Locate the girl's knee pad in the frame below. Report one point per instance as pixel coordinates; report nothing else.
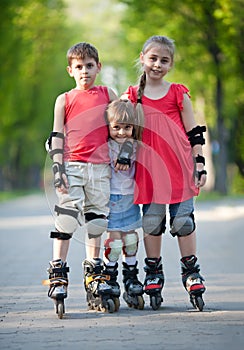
(154, 225)
(130, 243)
(112, 249)
(182, 225)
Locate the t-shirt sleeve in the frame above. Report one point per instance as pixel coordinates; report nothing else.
(131, 93)
(180, 91)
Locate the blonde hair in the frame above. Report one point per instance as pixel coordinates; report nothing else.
(152, 41)
(124, 112)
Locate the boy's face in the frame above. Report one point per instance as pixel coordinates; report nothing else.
(84, 71)
(120, 132)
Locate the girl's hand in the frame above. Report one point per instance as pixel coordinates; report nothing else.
(200, 178)
(118, 166)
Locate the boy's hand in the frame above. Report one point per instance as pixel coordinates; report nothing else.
(60, 178)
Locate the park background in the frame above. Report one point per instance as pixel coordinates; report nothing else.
(35, 36)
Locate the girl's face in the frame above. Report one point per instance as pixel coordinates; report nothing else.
(156, 62)
(84, 71)
(120, 132)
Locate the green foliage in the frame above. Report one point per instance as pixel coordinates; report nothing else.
(32, 43)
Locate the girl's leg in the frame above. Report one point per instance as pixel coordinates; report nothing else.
(187, 244)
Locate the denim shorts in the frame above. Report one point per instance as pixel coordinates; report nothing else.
(124, 214)
(185, 208)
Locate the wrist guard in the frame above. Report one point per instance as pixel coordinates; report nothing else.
(200, 159)
(195, 135)
(200, 173)
(58, 171)
(125, 153)
(48, 144)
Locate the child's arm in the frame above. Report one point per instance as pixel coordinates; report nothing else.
(196, 141)
(56, 144)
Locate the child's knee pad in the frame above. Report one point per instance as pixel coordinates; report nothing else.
(153, 224)
(112, 249)
(66, 220)
(95, 224)
(130, 244)
(182, 225)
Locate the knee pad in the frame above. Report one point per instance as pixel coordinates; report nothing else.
(182, 225)
(66, 220)
(130, 244)
(95, 224)
(154, 225)
(112, 249)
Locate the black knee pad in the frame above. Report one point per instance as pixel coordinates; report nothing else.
(154, 225)
(182, 225)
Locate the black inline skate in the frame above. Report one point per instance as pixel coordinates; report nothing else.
(99, 293)
(58, 284)
(133, 287)
(193, 281)
(154, 281)
(112, 272)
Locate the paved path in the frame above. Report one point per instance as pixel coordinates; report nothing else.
(27, 318)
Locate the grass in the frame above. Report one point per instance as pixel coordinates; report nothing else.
(7, 195)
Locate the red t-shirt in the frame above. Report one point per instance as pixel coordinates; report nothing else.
(165, 167)
(86, 133)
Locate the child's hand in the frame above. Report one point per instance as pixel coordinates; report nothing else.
(60, 178)
(118, 166)
(200, 178)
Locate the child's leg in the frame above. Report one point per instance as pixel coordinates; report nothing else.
(60, 249)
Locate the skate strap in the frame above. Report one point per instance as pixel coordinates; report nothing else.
(56, 280)
(97, 277)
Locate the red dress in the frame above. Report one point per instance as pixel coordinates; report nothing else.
(165, 166)
(86, 133)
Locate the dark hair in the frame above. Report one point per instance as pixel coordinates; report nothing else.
(81, 51)
(123, 111)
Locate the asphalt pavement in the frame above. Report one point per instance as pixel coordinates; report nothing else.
(27, 317)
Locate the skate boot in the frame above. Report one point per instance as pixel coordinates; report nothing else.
(154, 281)
(58, 284)
(112, 272)
(133, 287)
(193, 281)
(97, 289)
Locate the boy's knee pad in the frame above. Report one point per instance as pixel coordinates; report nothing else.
(112, 249)
(96, 224)
(153, 224)
(182, 225)
(66, 220)
(130, 244)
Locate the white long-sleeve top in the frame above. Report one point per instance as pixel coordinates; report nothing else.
(121, 182)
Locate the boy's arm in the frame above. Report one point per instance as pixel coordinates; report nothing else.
(56, 143)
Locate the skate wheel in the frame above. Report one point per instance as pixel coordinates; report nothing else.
(141, 303)
(199, 303)
(155, 302)
(60, 309)
(110, 306)
(116, 304)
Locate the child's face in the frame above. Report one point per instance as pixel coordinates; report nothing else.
(156, 62)
(120, 132)
(84, 71)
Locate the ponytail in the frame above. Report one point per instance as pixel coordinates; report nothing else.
(139, 108)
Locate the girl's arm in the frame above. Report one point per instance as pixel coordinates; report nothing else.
(189, 124)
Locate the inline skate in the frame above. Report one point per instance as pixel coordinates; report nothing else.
(112, 272)
(193, 281)
(58, 284)
(99, 293)
(154, 281)
(133, 287)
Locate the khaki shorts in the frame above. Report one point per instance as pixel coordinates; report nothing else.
(89, 188)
